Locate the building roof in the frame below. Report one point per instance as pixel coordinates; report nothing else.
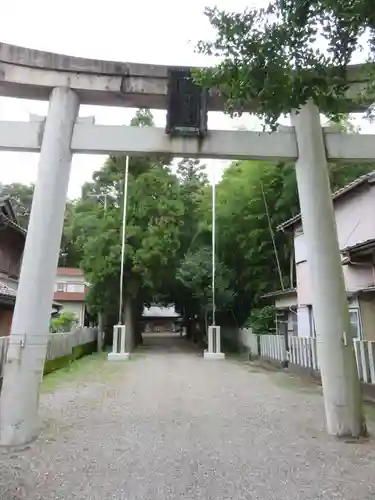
(9, 294)
(69, 271)
(160, 312)
(363, 246)
(7, 291)
(8, 217)
(277, 293)
(363, 179)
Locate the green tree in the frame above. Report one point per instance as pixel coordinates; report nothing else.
(21, 196)
(271, 55)
(154, 217)
(195, 275)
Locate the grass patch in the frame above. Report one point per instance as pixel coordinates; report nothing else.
(94, 367)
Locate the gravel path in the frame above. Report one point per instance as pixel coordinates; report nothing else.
(170, 425)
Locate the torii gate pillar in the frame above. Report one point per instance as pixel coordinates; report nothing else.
(31, 319)
(341, 387)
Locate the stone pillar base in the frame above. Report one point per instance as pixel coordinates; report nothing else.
(118, 356)
(214, 343)
(213, 355)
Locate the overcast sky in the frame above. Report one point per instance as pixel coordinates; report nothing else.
(162, 32)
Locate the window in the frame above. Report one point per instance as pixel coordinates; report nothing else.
(355, 323)
(75, 288)
(60, 287)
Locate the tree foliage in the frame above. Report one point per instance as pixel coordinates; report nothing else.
(64, 322)
(289, 52)
(21, 196)
(154, 217)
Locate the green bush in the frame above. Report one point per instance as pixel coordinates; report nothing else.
(64, 322)
(262, 320)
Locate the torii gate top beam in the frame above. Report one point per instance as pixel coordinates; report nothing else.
(32, 74)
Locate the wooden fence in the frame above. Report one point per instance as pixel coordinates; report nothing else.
(302, 351)
(59, 344)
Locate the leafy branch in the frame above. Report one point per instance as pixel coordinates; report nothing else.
(281, 56)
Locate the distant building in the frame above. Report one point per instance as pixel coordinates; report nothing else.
(158, 318)
(70, 292)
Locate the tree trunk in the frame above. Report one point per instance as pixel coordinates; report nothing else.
(128, 320)
(100, 340)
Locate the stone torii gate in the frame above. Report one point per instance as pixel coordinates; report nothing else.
(66, 82)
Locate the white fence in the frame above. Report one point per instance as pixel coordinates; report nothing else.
(273, 346)
(59, 344)
(303, 352)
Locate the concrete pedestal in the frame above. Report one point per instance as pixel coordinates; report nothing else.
(214, 344)
(118, 356)
(119, 348)
(213, 355)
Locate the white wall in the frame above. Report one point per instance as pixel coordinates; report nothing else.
(354, 214)
(284, 301)
(304, 322)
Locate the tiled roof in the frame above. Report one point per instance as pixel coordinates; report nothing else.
(277, 293)
(370, 177)
(7, 291)
(363, 245)
(160, 312)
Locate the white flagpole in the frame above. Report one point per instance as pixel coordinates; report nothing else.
(124, 214)
(213, 247)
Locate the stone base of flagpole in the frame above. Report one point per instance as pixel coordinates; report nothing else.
(214, 344)
(213, 355)
(118, 356)
(119, 344)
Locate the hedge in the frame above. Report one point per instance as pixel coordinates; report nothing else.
(77, 352)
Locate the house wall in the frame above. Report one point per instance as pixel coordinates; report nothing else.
(285, 301)
(11, 250)
(73, 283)
(367, 312)
(358, 276)
(354, 216)
(6, 315)
(355, 223)
(303, 284)
(305, 327)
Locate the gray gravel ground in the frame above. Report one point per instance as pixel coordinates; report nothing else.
(170, 425)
